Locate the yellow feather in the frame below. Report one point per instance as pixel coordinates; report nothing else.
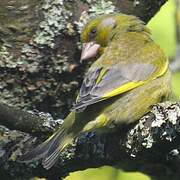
(102, 73)
(124, 88)
(164, 69)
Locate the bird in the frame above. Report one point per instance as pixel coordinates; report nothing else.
(129, 73)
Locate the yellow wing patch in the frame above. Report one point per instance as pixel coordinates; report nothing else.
(131, 85)
(124, 88)
(164, 69)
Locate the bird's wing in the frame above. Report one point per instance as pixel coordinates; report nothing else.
(102, 83)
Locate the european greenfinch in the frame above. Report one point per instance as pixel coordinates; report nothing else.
(129, 74)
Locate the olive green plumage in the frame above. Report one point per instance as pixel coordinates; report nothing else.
(129, 75)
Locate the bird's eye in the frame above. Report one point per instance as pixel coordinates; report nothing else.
(93, 32)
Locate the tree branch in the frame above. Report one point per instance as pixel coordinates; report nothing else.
(30, 122)
(150, 146)
(141, 8)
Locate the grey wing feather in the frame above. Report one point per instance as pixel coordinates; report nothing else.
(116, 76)
(89, 82)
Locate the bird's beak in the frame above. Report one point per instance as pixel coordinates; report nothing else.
(89, 50)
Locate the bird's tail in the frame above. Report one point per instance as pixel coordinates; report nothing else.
(58, 143)
(50, 150)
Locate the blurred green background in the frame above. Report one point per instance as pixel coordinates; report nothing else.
(163, 30)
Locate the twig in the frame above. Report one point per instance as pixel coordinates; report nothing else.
(30, 122)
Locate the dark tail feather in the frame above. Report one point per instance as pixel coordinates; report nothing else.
(53, 146)
(60, 142)
(49, 150)
(49, 161)
(37, 152)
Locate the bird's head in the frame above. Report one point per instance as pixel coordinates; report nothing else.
(100, 31)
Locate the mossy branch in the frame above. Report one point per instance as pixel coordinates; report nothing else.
(150, 146)
(27, 121)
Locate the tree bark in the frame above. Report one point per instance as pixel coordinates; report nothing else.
(151, 146)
